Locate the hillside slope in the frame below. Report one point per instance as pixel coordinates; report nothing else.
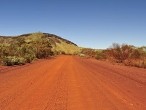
(58, 43)
(26, 47)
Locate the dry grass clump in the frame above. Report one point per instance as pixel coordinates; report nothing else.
(126, 54)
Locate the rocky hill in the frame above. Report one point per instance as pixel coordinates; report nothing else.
(27, 47)
(57, 43)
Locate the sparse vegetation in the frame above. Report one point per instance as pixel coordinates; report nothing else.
(25, 48)
(13, 60)
(88, 52)
(66, 48)
(100, 54)
(126, 54)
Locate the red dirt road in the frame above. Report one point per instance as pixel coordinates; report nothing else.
(72, 83)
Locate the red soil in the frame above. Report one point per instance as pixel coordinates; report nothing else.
(72, 83)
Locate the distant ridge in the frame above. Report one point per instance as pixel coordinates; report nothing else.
(47, 34)
(57, 43)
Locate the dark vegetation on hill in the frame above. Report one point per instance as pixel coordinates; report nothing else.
(25, 48)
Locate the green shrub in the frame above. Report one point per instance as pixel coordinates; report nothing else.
(100, 55)
(13, 60)
(43, 52)
(21, 61)
(29, 58)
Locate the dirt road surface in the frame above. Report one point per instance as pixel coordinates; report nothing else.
(72, 83)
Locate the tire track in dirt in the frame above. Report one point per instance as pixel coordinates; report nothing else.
(73, 83)
(130, 94)
(98, 94)
(25, 93)
(20, 88)
(58, 91)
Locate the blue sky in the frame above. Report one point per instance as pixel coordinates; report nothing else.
(89, 23)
